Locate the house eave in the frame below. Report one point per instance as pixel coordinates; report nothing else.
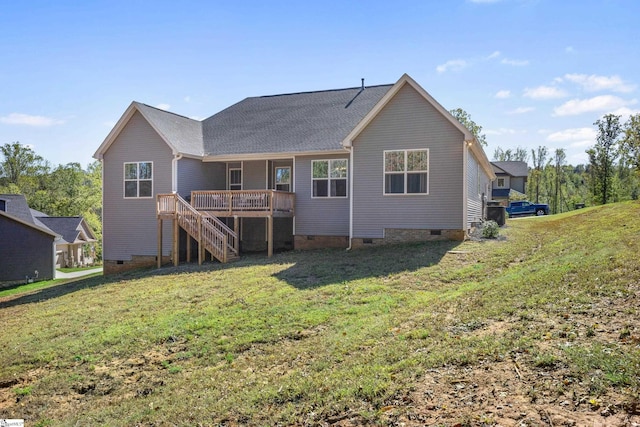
(270, 156)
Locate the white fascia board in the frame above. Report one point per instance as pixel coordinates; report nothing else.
(270, 156)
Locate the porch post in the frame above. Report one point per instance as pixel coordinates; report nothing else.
(270, 236)
(200, 246)
(159, 260)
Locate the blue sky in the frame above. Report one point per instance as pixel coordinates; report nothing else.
(530, 72)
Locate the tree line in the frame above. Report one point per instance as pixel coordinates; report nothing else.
(612, 174)
(63, 190)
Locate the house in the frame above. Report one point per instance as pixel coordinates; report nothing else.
(27, 249)
(34, 244)
(510, 182)
(75, 246)
(334, 168)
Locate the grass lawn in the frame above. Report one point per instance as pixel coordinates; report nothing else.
(343, 338)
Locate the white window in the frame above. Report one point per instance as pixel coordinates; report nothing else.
(329, 178)
(283, 178)
(235, 178)
(138, 179)
(406, 171)
(500, 182)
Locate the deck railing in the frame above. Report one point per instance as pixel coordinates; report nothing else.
(268, 201)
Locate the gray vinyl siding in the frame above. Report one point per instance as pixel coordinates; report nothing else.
(517, 183)
(408, 121)
(475, 190)
(323, 216)
(130, 225)
(193, 174)
(23, 250)
(254, 175)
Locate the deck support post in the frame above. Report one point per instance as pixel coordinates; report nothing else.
(200, 246)
(159, 258)
(176, 241)
(270, 236)
(188, 247)
(236, 229)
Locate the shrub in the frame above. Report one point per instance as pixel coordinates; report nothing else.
(490, 229)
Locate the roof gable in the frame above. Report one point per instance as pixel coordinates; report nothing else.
(72, 228)
(182, 134)
(28, 224)
(16, 206)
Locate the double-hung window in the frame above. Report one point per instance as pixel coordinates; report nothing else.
(329, 178)
(406, 171)
(283, 178)
(138, 179)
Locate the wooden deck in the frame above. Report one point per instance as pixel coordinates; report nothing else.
(199, 218)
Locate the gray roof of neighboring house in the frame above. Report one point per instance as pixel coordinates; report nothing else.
(513, 168)
(182, 133)
(297, 122)
(16, 206)
(68, 227)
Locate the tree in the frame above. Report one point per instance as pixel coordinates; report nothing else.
(560, 157)
(603, 155)
(508, 155)
(630, 145)
(20, 162)
(538, 156)
(465, 118)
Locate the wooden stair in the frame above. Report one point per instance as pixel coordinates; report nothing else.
(211, 234)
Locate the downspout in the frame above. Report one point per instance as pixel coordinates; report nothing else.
(174, 172)
(350, 170)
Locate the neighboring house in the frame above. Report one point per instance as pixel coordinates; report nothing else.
(75, 247)
(510, 182)
(334, 168)
(35, 242)
(27, 250)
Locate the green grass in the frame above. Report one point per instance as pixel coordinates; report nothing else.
(305, 336)
(20, 289)
(75, 269)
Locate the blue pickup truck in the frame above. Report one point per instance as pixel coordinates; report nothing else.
(525, 207)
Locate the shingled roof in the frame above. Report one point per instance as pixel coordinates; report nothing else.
(297, 122)
(69, 227)
(512, 168)
(16, 206)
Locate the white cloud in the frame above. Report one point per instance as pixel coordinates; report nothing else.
(494, 55)
(501, 131)
(598, 103)
(515, 62)
(453, 65)
(573, 134)
(163, 106)
(503, 94)
(29, 120)
(544, 92)
(574, 137)
(521, 110)
(594, 83)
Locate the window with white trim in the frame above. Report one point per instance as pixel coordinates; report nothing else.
(329, 178)
(406, 171)
(501, 183)
(138, 179)
(283, 178)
